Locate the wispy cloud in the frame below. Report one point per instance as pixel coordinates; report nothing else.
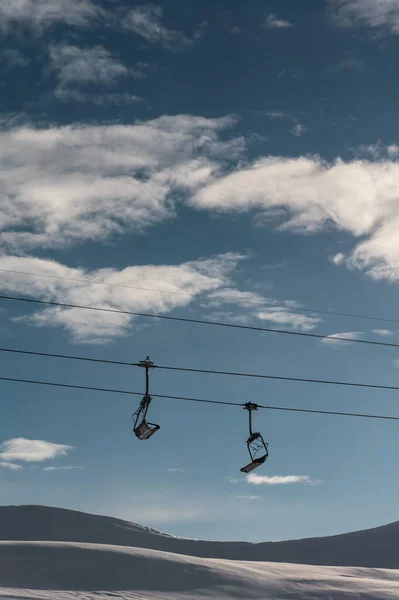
(254, 479)
(353, 65)
(298, 130)
(271, 114)
(10, 465)
(81, 66)
(232, 296)
(287, 317)
(76, 183)
(108, 99)
(247, 497)
(38, 14)
(309, 195)
(383, 14)
(26, 450)
(175, 470)
(377, 151)
(136, 289)
(281, 312)
(273, 22)
(146, 21)
(383, 332)
(338, 259)
(68, 468)
(333, 340)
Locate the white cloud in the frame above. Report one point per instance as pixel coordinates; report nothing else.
(377, 151)
(351, 195)
(310, 195)
(71, 184)
(109, 99)
(254, 479)
(298, 130)
(26, 450)
(281, 315)
(247, 497)
(393, 150)
(338, 259)
(185, 282)
(79, 66)
(284, 316)
(175, 470)
(11, 466)
(383, 332)
(146, 21)
(334, 339)
(232, 296)
(349, 64)
(77, 183)
(274, 114)
(69, 468)
(372, 13)
(273, 22)
(38, 14)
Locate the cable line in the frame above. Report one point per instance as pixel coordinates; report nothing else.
(200, 321)
(220, 296)
(93, 282)
(189, 399)
(204, 371)
(113, 391)
(69, 357)
(281, 378)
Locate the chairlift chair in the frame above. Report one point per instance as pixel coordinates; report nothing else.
(257, 447)
(142, 428)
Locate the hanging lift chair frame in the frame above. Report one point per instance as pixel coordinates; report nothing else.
(257, 447)
(142, 428)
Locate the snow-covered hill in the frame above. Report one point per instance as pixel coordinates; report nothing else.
(378, 548)
(71, 571)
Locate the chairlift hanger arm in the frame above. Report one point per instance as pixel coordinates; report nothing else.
(147, 364)
(250, 406)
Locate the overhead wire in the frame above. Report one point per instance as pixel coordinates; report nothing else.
(220, 296)
(205, 295)
(94, 282)
(281, 378)
(200, 321)
(203, 371)
(189, 399)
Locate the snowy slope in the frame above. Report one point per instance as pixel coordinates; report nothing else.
(72, 571)
(377, 547)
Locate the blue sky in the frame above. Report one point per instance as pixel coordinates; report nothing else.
(237, 163)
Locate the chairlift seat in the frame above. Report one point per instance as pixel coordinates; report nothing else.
(145, 430)
(254, 464)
